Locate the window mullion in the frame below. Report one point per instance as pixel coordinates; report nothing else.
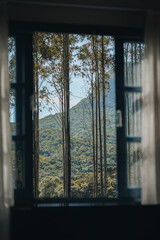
(28, 78)
(24, 79)
(120, 105)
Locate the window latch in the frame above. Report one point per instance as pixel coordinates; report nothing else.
(119, 118)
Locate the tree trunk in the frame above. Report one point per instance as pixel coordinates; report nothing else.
(67, 160)
(63, 131)
(104, 121)
(99, 118)
(93, 132)
(96, 128)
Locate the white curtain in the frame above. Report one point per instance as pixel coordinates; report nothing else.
(151, 112)
(6, 181)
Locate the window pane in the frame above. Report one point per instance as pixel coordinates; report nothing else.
(91, 174)
(12, 111)
(11, 59)
(48, 115)
(134, 163)
(67, 71)
(133, 60)
(17, 164)
(12, 79)
(133, 113)
(16, 147)
(13, 157)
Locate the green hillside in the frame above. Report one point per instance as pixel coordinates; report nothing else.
(51, 166)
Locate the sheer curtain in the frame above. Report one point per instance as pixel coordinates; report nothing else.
(151, 112)
(6, 183)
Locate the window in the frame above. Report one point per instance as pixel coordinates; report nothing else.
(76, 117)
(133, 53)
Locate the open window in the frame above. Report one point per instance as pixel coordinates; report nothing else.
(75, 116)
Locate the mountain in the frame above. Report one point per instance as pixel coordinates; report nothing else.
(80, 115)
(81, 131)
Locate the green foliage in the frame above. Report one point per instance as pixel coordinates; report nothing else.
(48, 187)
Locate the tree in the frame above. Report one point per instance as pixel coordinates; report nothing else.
(104, 119)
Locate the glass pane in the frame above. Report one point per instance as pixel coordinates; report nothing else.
(17, 168)
(48, 115)
(66, 69)
(133, 113)
(134, 163)
(133, 61)
(12, 111)
(13, 160)
(11, 59)
(92, 175)
(12, 79)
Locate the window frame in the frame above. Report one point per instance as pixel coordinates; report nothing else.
(24, 91)
(23, 32)
(125, 193)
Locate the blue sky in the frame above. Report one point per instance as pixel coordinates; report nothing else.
(77, 93)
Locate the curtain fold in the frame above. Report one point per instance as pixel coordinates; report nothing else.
(6, 181)
(151, 112)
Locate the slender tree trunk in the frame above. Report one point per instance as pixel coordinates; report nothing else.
(93, 134)
(67, 117)
(104, 121)
(99, 118)
(96, 128)
(63, 131)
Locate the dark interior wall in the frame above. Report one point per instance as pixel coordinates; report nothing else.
(112, 223)
(27, 11)
(118, 4)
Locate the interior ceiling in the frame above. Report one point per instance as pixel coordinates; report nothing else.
(106, 13)
(116, 4)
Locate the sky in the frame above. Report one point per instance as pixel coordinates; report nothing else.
(77, 93)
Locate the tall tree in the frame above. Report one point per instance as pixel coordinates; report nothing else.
(93, 126)
(104, 119)
(67, 159)
(98, 114)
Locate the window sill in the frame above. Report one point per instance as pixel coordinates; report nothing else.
(84, 202)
